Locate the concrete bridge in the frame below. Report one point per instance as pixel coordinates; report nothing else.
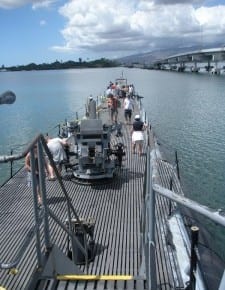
(211, 60)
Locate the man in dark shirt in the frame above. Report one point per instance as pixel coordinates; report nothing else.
(137, 134)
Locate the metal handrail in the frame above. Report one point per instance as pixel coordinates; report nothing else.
(213, 215)
(151, 189)
(3, 160)
(42, 215)
(148, 223)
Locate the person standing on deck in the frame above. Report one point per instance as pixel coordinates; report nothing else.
(109, 91)
(29, 174)
(137, 134)
(128, 106)
(113, 106)
(131, 90)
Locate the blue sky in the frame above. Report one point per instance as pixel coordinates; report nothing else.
(47, 30)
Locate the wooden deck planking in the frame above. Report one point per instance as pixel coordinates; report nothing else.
(106, 238)
(112, 235)
(116, 207)
(125, 263)
(128, 264)
(163, 273)
(163, 210)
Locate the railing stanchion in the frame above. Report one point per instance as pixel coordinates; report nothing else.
(170, 202)
(177, 164)
(36, 214)
(151, 229)
(194, 259)
(41, 162)
(11, 165)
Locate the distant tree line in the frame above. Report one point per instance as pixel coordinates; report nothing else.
(103, 62)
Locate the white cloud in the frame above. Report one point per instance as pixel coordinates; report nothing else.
(43, 22)
(42, 4)
(12, 4)
(113, 27)
(211, 16)
(174, 2)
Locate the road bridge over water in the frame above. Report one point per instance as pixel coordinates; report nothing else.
(211, 60)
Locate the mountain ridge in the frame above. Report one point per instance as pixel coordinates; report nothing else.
(148, 58)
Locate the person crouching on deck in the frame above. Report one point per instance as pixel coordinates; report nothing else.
(137, 134)
(56, 147)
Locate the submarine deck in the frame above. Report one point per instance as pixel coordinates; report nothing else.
(115, 207)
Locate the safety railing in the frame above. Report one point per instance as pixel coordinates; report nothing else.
(153, 188)
(42, 215)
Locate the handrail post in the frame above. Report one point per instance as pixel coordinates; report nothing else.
(59, 130)
(11, 165)
(146, 214)
(170, 202)
(42, 165)
(193, 266)
(177, 163)
(152, 208)
(151, 230)
(36, 215)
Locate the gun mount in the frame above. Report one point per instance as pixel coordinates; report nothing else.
(90, 143)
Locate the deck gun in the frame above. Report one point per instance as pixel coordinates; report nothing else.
(90, 145)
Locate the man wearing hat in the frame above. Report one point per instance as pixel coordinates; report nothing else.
(137, 134)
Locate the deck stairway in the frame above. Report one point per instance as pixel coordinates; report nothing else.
(117, 211)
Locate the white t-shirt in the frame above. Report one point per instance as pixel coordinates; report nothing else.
(56, 148)
(128, 104)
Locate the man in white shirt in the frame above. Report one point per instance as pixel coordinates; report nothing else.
(128, 106)
(56, 147)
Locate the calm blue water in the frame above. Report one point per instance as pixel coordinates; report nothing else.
(187, 112)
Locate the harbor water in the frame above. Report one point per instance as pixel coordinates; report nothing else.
(186, 110)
